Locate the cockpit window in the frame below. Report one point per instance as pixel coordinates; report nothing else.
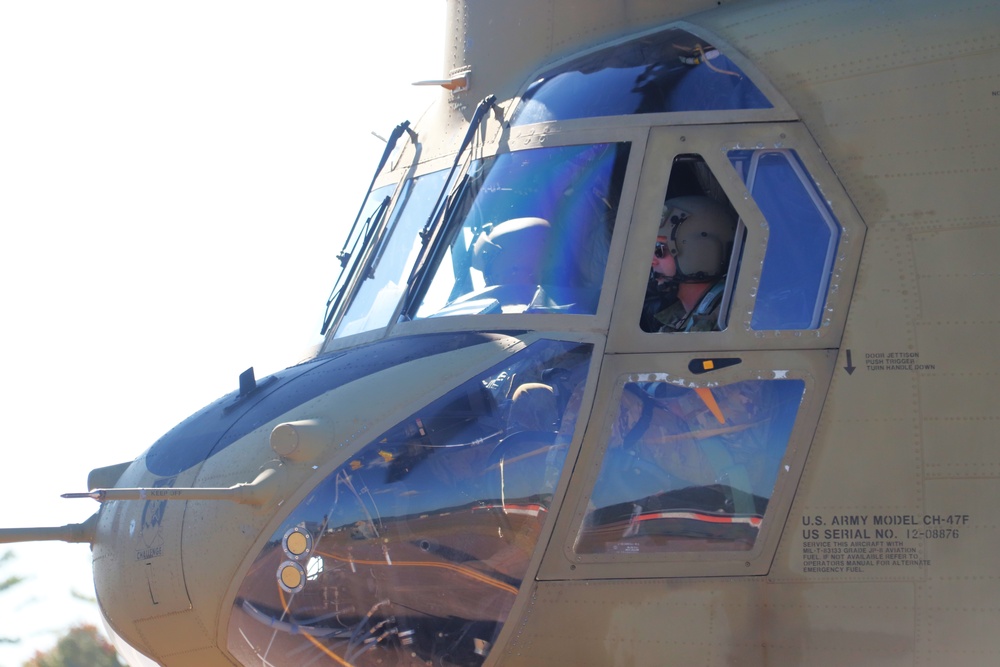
(669, 71)
(392, 258)
(413, 550)
(690, 469)
(692, 257)
(802, 239)
(355, 249)
(529, 233)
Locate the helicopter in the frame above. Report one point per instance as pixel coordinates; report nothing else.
(519, 445)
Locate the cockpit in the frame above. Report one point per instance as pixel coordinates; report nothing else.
(527, 232)
(414, 550)
(488, 258)
(531, 228)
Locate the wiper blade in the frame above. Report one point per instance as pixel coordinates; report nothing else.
(474, 123)
(345, 255)
(440, 217)
(397, 132)
(345, 280)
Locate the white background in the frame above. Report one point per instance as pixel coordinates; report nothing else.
(175, 182)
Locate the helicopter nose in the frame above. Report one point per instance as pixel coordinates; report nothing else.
(451, 498)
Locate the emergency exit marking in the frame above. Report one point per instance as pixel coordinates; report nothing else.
(895, 361)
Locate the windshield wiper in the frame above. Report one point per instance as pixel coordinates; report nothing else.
(344, 278)
(439, 220)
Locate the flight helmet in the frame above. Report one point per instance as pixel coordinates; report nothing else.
(513, 252)
(699, 234)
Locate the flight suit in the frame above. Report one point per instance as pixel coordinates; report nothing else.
(704, 317)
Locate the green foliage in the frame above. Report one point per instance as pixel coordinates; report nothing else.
(83, 597)
(6, 584)
(9, 582)
(80, 647)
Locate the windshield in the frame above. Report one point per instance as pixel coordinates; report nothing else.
(530, 232)
(355, 246)
(392, 257)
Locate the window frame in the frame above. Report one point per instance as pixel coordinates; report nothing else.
(527, 139)
(809, 189)
(781, 110)
(561, 560)
(714, 143)
(617, 50)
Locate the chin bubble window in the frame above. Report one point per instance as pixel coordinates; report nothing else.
(689, 469)
(413, 551)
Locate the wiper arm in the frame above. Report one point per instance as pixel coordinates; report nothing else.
(474, 123)
(339, 287)
(440, 217)
(397, 132)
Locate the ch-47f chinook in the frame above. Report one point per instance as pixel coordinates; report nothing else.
(504, 454)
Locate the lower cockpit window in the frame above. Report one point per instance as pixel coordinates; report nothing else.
(529, 232)
(413, 550)
(690, 469)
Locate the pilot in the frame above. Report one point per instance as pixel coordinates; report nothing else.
(692, 253)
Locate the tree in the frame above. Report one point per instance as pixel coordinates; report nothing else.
(80, 647)
(6, 584)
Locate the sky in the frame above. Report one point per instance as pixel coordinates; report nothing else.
(176, 180)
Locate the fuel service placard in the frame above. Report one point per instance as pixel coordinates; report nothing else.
(864, 543)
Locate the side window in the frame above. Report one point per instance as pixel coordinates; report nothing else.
(802, 241)
(692, 257)
(690, 469)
